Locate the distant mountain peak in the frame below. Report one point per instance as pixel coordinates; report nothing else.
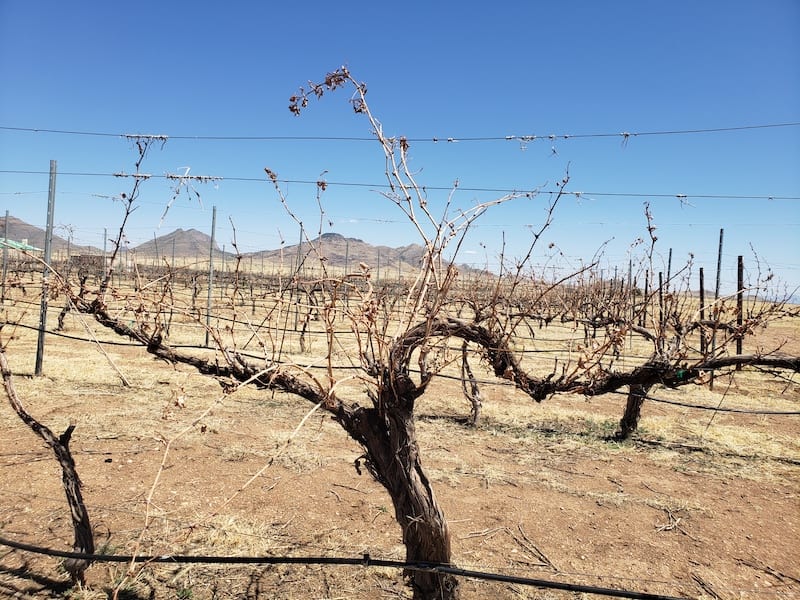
(337, 237)
(184, 242)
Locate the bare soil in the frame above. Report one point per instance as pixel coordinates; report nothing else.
(698, 505)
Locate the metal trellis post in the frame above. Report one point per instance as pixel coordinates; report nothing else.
(48, 240)
(210, 272)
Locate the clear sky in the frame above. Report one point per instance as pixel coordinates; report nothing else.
(434, 70)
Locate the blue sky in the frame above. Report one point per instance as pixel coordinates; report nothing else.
(434, 70)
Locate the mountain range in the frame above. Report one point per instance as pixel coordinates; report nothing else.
(338, 250)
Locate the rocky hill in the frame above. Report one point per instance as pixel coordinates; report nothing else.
(340, 251)
(181, 243)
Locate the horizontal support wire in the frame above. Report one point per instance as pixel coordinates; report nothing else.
(365, 561)
(526, 137)
(316, 182)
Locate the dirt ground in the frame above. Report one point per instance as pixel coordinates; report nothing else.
(698, 505)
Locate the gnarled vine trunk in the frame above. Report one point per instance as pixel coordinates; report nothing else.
(633, 409)
(388, 434)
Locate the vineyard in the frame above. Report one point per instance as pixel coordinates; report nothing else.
(689, 506)
(337, 430)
